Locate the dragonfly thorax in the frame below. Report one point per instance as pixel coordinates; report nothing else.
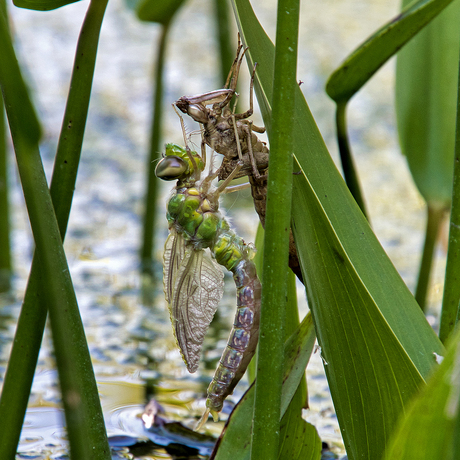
(195, 215)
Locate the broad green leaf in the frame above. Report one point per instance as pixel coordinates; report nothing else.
(374, 338)
(299, 440)
(356, 70)
(42, 5)
(426, 103)
(235, 440)
(430, 430)
(155, 11)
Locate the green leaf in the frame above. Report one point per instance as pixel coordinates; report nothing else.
(155, 11)
(234, 442)
(426, 104)
(375, 341)
(359, 67)
(42, 5)
(430, 430)
(299, 439)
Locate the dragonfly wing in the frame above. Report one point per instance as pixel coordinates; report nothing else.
(194, 283)
(172, 258)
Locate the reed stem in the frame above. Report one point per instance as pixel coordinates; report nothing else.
(267, 405)
(148, 242)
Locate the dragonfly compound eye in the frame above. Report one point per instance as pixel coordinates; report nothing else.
(171, 168)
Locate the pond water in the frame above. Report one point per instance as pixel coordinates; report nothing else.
(126, 322)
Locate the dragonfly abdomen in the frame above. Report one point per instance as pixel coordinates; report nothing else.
(242, 342)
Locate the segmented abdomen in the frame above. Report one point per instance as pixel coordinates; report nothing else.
(242, 342)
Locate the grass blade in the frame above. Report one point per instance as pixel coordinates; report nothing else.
(5, 249)
(360, 65)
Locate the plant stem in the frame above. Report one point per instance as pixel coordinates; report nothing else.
(88, 439)
(152, 181)
(5, 250)
(451, 298)
(434, 219)
(223, 32)
(348, 166)
(266, 428)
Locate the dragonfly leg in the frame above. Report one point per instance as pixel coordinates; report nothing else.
(236, 188)
(250, 111)
(237, 137)
(223, 185)
(203, 148)
(232, 78)
(196, 170)
(247, 127)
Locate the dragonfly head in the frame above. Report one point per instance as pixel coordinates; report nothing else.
(171, 168)
(178, 164)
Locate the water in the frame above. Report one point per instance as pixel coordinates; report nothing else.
(127, 325)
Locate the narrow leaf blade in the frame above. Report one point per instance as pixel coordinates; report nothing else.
(42, 5)
(360, 65)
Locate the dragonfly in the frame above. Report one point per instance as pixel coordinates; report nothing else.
(233, 136)
(200, 241)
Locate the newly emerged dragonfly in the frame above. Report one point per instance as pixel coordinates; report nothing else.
(200, 239)
(233, 136)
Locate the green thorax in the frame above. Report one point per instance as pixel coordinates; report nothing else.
(193, 210)
(191, 214)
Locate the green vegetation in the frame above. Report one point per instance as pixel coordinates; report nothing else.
(392, 397)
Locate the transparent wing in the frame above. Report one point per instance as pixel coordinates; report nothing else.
(172, 257)
(193, 286)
